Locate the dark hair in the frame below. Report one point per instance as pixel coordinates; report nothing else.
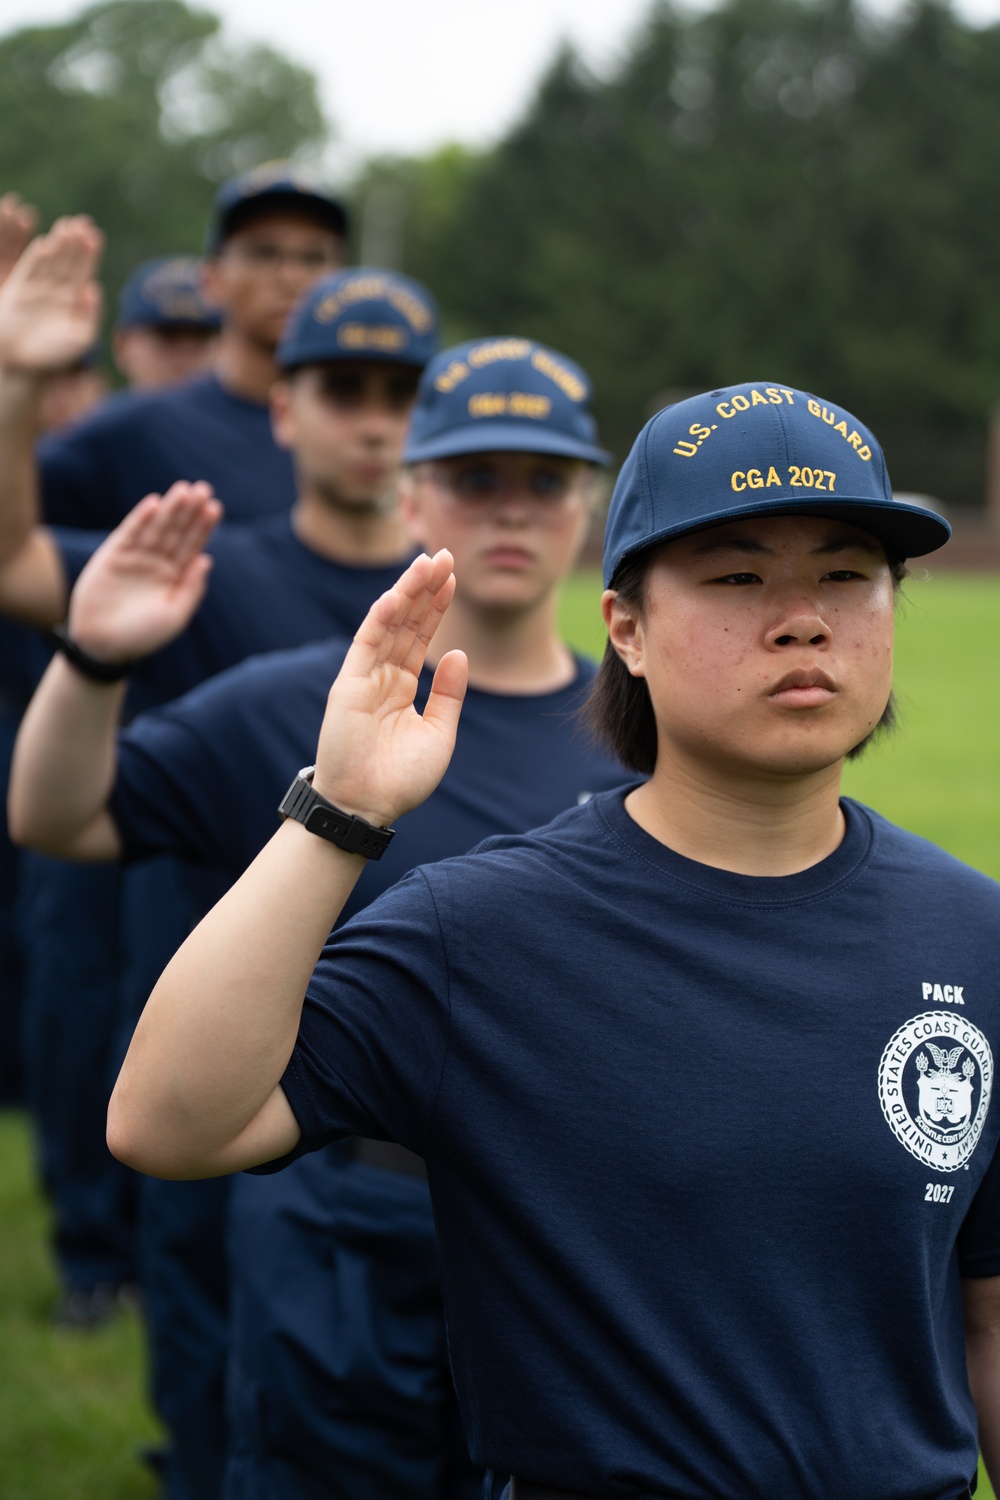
(618, 711)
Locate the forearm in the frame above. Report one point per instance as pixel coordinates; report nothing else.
(196, 1094)
(20, 399)
(63, 770)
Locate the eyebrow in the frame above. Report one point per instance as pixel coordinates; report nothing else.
(750, 548)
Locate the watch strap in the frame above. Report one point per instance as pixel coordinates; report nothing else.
(352, 834)
(88, 666)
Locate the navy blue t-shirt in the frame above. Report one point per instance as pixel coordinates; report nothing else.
(267, 591)
(203, 777)
(708, 1153)
(140, 442)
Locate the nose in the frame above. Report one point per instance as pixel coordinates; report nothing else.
(801, 625)
(512, 504)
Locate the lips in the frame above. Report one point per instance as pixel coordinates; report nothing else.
(508, 557)
(803, 688)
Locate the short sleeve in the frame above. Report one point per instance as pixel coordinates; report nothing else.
(373, 1039)
(979, 1237)
(170, 794)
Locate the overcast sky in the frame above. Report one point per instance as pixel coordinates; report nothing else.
(406, 75)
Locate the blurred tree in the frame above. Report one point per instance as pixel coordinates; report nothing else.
(777, 188)
(135, 111)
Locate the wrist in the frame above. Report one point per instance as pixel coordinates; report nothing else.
(94, 665)
(354, 832)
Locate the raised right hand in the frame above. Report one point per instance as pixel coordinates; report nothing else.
(146, 579)
(50, 304)
(378, 757)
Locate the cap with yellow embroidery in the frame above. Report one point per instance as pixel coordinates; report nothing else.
(166, 293)
(503, 395)
(363, 313)
(758, 449)
(273, 187)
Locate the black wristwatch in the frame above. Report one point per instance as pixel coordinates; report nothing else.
(353, 835)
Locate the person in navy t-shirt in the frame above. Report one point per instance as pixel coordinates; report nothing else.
(274, 233)
(343, 408)
(202, 778)
(702, 1071)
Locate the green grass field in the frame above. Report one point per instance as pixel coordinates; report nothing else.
(72, 1407)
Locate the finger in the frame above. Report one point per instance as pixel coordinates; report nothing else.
(193, 582)
(68, 253)
(190, 540)
(131, 530)
(181, 508)
(383, 618)
(417, 654)
(444, 702)
(75, 255)
(416, 620)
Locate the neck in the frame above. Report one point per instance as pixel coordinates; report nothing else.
(752, 826)
(509, 651)
(243, 367)
(362, 536)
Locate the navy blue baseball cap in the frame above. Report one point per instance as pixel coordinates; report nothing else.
(363, 313)
(503, 395)
(273, 186)
(758, 449)
(166, 293)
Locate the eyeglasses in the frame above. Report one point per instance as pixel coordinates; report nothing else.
(480, 489)
(260, 256)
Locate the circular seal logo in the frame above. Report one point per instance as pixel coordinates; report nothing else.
(934, 1083)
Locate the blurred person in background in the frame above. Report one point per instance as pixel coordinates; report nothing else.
(351, 361)
(165, 330)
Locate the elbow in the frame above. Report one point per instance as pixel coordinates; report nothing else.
(138, 1139)
(132, 1141)
(125, 1138)
(22, 828)
(30, 833)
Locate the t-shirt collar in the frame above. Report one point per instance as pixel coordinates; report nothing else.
(847, 860)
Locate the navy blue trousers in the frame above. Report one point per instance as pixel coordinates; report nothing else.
(69, 920)
(339, 1386)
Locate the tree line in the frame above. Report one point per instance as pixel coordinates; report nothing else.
(775, 189)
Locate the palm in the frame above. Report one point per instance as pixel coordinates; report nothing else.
(50, 303)
(144, 583)
(377, 756)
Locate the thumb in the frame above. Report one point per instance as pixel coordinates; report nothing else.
(447, 694)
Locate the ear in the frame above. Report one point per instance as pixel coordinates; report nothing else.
(625, 630)
(282, 414)
(408, 502)
(209, 281)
